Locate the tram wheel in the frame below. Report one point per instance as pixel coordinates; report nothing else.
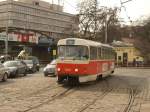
(99, 77)
(73, 81)
(60, 80)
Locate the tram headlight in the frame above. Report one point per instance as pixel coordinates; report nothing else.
(76, 70)
(58, 69)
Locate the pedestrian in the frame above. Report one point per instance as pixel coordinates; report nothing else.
(134, 62)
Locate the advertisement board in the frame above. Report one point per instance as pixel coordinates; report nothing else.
(19, 37)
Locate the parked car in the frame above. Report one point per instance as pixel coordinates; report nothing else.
(4, 73)
(35, 61)
(31, 67)
(50, 69)
(16, 68)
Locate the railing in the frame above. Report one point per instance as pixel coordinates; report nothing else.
(132, 64)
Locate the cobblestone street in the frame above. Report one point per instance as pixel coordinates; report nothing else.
(127, 90)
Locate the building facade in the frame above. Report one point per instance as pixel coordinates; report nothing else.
(126, 54)
(35, 23)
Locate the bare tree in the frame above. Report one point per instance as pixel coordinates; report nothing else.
(142, 34)
(93, 19)
(86, 16)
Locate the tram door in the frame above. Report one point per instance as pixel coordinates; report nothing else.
(125, 59)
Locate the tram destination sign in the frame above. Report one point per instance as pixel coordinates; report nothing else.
(70, 42)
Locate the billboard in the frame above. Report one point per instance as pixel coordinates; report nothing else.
(20, 37)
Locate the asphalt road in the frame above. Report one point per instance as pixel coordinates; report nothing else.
(127, 90)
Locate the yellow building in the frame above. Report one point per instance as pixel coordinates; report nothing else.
(126, 54)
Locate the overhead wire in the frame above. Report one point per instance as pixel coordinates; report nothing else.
(125, 9)
(69, 4)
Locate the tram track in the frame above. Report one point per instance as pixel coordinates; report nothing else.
(41, 93)
(106, 91)
(54, 97)
(53, 94)
(42, 90)
(131, 100)
(66, 93)
(133, 92)
(94, 100)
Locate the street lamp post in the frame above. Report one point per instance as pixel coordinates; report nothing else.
(6, 39)
(106, 28)
(7, 26)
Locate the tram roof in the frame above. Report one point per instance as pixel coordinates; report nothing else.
(79, 41)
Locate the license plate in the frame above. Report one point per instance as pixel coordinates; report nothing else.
(67, 69)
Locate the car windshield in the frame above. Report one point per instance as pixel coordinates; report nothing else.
(73, 52)
(34, 59)
(28, 61)
(53, 62)
(11, 63)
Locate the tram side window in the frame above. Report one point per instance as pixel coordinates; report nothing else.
(112, 54)
(109, 53)
(99, 53)
(104, 53)
(93, 53)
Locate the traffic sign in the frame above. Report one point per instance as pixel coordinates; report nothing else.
(49, 49)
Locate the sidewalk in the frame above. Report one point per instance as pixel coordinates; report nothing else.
(134, 67)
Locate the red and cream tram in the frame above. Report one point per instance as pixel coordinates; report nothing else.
(83, 60)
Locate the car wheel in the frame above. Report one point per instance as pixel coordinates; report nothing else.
(38, 69)
(16, 74)
(54, 75)
(5, 77)
(45, 75)
(25, 73)
(34, 70)
(60, 80)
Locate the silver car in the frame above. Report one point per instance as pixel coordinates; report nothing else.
(31, 67)
(4, 73)
(50, 69)
(16, 68)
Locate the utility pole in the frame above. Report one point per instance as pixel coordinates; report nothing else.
(95, 18)
(106, 28)
(6, 40)
(106, 24)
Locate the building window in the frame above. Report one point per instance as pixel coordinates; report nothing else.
(119, 58)
(36, 3)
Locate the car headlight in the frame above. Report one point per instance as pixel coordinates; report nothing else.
(44, 69)
(76, 70)
(58, 69)
(30, 66)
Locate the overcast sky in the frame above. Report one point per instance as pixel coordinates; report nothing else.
(134, 9)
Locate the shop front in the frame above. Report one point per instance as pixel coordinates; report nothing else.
(37, 45)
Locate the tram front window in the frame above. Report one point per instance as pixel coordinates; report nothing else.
(73, 52)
